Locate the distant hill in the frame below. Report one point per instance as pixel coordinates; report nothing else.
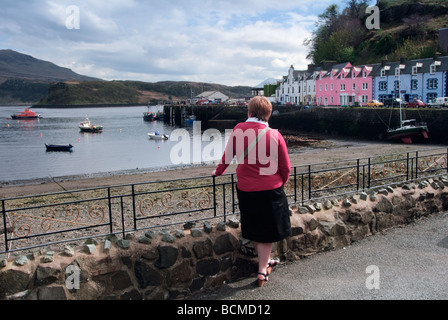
(27, 80)
(15, 65)
(132, 92)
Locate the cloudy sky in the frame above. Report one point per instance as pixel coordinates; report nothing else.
(231, 42)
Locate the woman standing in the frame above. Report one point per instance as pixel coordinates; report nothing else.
(263, 169)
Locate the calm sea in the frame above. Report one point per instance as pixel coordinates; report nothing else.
(123, 146)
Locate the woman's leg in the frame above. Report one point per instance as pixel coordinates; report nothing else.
(264, 255)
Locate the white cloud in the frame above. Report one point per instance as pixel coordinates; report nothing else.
(233, 42)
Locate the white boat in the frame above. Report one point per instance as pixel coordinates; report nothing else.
(157, 136)
(86, 126)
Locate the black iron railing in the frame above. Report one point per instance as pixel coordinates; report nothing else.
(50, 219)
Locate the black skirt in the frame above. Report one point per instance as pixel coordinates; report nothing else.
(264, 215)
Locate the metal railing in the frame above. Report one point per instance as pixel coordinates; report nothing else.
(67, 217)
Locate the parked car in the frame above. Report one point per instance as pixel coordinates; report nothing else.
(438, 103)
(374, 103)
(416, 103)
(203, 102)
(395, 102)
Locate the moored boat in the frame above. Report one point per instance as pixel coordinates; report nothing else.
(59, 147)
(149, 116)
(26, 114)
(190, 119)
(86, 126)
(160, 115)
(157, 136)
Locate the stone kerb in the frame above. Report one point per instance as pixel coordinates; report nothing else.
(173, 265)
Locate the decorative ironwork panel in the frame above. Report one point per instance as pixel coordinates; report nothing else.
(55, 219)
(157, 204)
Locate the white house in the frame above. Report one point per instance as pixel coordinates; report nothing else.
(298, 87)
(212, 96)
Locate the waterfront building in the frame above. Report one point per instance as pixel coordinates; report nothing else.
(211, 96)
(344, 84)
(298, 87)
(424, 79)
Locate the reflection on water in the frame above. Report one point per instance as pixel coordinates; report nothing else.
(123, 144)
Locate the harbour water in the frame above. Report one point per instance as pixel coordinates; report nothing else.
(123, 146)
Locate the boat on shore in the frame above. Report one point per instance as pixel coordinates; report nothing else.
(157, 136)
(59, 147)
(407, 130)
(86, 126)
(26, 114)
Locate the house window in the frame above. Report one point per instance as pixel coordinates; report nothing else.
(414, 84)
(382, 86)
(414, 70)
(364, 74)
(342, 87)
(365, 86)
(331, 87)
(432, 84)
(342, 76)
(326, 87)
(397, 85)
(331, 100)
(320, 87)
(383, 72)
(354, 87)
(430, 96)
(432, 69)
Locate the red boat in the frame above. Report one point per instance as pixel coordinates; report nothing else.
(26, 114)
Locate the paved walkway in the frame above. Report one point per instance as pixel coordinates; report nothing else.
(403, 263)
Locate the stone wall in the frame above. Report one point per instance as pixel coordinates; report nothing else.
(173, 265)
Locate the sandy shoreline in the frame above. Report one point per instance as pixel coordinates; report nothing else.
(321, 151)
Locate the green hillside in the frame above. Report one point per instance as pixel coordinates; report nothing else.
(131, 92)
(408, 29)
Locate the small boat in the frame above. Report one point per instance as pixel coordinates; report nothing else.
(149, 116)
(59, 147)
(157, 136)
(407, 130)
(160, 115)
(26, 114)
(190, 119)
(86, 126)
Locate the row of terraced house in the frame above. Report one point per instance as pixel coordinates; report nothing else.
(346, 84)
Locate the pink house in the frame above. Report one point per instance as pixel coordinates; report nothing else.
(344, 84)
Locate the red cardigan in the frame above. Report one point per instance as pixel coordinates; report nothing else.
(267, 165)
